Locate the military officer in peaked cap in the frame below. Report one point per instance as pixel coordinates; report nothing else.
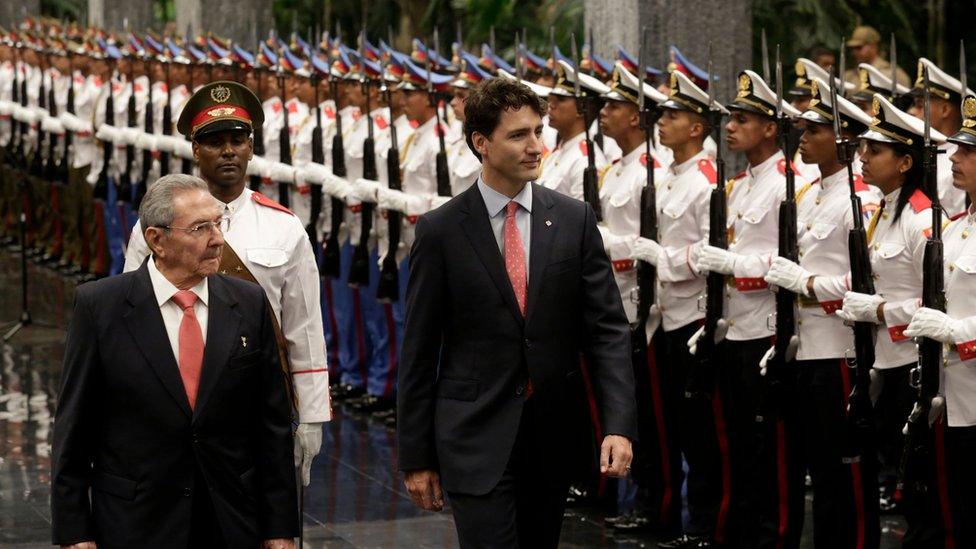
(265, 243)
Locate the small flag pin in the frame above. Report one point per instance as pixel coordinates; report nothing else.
(548, 223)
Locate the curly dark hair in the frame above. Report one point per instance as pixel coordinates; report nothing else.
(484, 106)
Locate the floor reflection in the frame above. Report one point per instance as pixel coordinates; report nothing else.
(356, 498)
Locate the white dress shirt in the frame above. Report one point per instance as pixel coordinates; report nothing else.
(173, 313)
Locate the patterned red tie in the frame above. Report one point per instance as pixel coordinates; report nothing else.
(515, 255)
(191, 345)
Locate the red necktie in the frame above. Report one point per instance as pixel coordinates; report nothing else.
(191, 345)
(515, 255)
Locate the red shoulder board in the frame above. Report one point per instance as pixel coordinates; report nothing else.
(116, 87)
(79, 79)
(958, 215)
(414, 124)
(643, 161)
(708, 170)
(781, 166)
(164, 88)
(583, 148)
(740, 175)
(329, 113)
(381, 122)
(138, 88)
(859, 185)
(268, 203)
(276, 107)
(293, 108)
(919, 201)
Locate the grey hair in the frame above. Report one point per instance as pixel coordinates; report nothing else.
(157, 209)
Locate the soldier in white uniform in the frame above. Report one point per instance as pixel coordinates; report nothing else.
(892, 161)
(845, 494)
(872, 81)
(754, 197)
(562, 169)
(946, 93)
(265, 243)
(464, 165)
(957, 329)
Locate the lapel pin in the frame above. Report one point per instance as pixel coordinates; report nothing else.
(244, 341)
(548, 223)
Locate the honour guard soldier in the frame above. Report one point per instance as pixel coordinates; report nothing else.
(892, 161)
(946, 97)
(264, 243)
(463, 163)
(957, 329)
(754, 196)
(683, 219)
(845, 493)
(562, 169)
(872, 81)
(801, 94)
(621, 187)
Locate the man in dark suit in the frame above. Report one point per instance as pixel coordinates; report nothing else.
(173, 426)
(509, 285)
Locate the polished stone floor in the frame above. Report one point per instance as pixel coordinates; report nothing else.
(356, 498)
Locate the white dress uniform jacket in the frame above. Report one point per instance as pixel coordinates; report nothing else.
(562, 169)
(959, 373)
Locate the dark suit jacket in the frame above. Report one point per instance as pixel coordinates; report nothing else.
(127, 447)
(467, 348)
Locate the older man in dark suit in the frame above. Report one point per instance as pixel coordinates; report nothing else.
(509, 285)
(173, 426)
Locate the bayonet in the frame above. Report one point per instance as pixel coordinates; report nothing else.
(491, 38)
(518, 58)
(843, 67)
(765, 57)
(457, 34)
(708, 90)
(593, 53)
(962, 70)
(779, 84)
(640, 76)
(576, 80)
(894, 69)
(552, 52)
(927, 109)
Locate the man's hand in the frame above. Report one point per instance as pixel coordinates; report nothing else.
(82, 545)
(309, 439)
(424, 486)
(279, 543)
(616, 454)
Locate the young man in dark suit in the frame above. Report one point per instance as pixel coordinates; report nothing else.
(509, 286)
(173, 426)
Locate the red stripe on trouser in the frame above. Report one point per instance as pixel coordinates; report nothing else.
(58, 231)
(662, 434)
(856, 481)
(782, 486)
(594, 417)
(333, 327)
(392, 339)
(360, 328)
(723, 448)
(943, 482)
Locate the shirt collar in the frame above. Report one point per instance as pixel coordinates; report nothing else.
(235, 205)
(892, 197)
(766, 165)
(830, 181)
(632, 156)
(572, 141)
(495, 201)
(165, 290)
(680, 169)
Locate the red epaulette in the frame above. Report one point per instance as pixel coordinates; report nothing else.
(583, 148)
(293, 108)
(138, 88)
(781, 166)
(268, 203)
(859, 185)
(708, 170)
(276, 107)
(643, 161)
(329, 113)
(739, 175)
(919, 201)
(414, 124)
(381, 122)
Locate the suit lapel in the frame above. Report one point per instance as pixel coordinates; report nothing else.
(145, 324)
(477, 227)
(222, 328)
(544, 227)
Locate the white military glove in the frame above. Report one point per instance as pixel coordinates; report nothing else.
(145, 141)
(308, 443)
(860, 307)
(788, 275)
(52, 124)
(715, 260)
(438, 201)
(282, 173)
(645, 249)
(365, 190)
(6, 107)
(390, 199)
(335, 186)
(107, 133)
(932, 324)
(183, 148)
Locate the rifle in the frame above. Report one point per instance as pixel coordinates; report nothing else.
(125, 181)
(443, 176)
(100, 192)
(701, 376)
(925, 377)
(784, 349)
(331, 255)
(646, 272)
(586, 106)
(22, 144)
(167, 128)
(255, 181)
(598, 138)
(860, 417)
(51, 172)
(14, 142)
(389, 284)
(65, 164)
(318, 157)
(359, 271)
(284, 135)
(36, 165)
(150, 124)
